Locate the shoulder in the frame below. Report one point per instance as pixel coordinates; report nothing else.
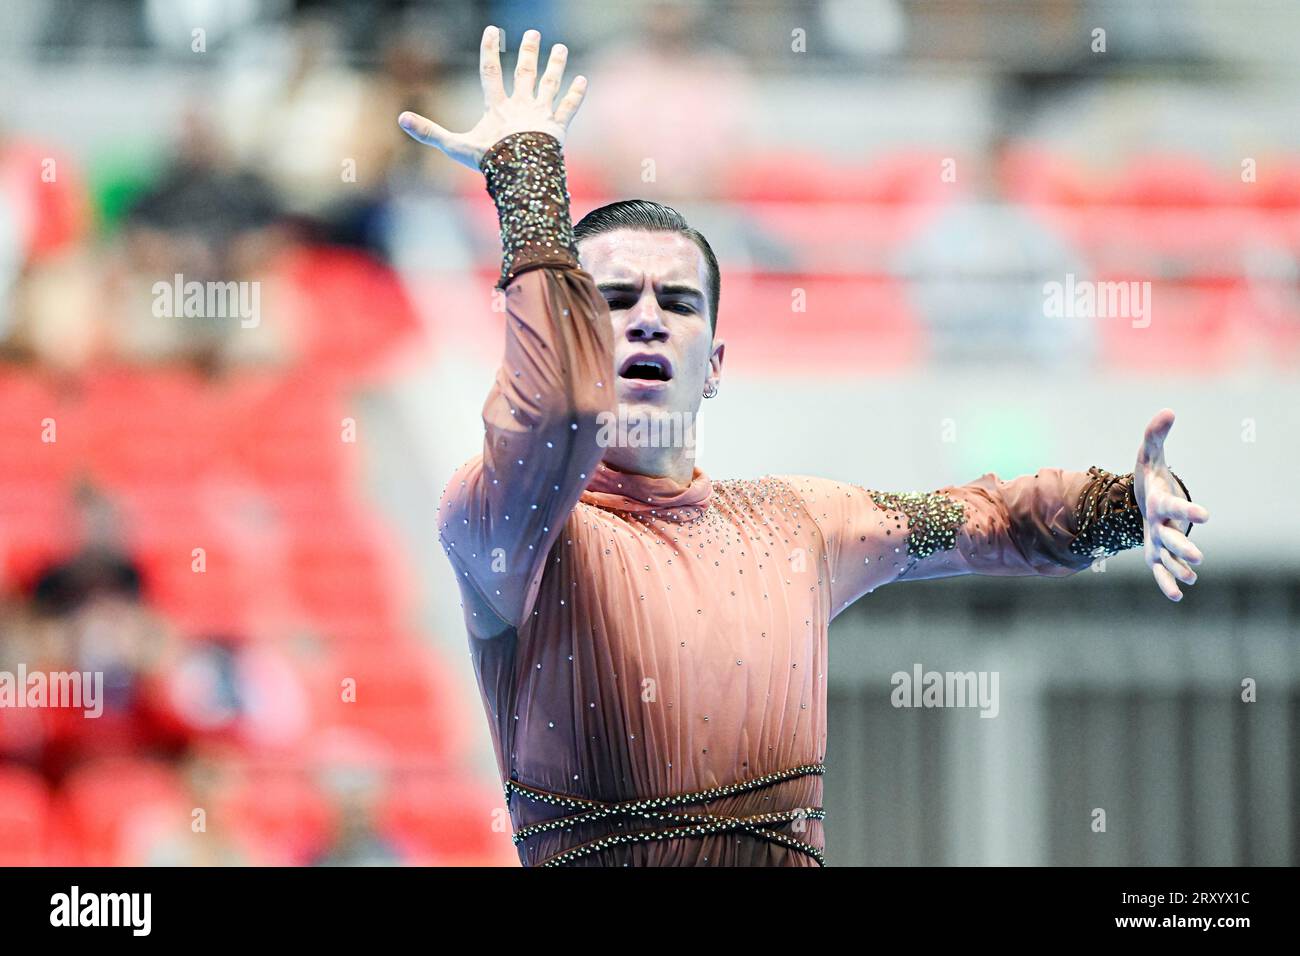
(819, 497)
(763, 490)
(823, 496)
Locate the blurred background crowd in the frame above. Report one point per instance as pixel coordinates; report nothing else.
(235, 523)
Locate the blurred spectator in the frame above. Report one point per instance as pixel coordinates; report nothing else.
(86, 617)
(357, 840)
(226, 689)
(656, 134)
(44, 211)
(205, 220)
(977, 273)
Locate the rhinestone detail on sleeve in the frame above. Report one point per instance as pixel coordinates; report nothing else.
(932, 519)
(1107, 516)
(525, 178)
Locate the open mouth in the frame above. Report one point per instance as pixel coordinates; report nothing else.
(646, 368)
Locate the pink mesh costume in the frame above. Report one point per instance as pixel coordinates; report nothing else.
(652, 656)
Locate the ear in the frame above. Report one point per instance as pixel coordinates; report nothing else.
(715, 361)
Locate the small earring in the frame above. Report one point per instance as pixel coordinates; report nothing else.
(710, 390)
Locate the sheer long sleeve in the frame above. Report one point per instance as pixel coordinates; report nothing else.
(1051, 523)
(503, 509)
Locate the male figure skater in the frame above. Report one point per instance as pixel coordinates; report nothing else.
(651, 644)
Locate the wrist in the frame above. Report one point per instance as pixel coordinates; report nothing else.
(525, 177)
(1107, 518)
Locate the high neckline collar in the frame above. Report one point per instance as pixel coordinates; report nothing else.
(628, 491)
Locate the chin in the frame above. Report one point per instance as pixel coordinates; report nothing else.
(640, 400)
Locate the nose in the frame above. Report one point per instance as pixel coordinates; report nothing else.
(646, 322)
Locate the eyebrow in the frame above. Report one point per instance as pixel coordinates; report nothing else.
(668, 288)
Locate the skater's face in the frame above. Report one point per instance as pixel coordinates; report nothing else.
(656, 285)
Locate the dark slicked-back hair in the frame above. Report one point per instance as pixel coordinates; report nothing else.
(650, 216)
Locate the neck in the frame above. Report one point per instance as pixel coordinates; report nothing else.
(666, 462)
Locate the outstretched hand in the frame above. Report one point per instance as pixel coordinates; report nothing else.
(525, 109)
(1165, 512)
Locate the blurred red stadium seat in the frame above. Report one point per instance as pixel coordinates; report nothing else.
(1194, 325)
(897, 177)
(217, 599)
(404, 696)
(345, 572)
(116, 811)
(1174, 180)
(37, 529)
(144, 427)
(24, 818)
(839, 217)
(48, 184)
(810, 323)
(36, 517)
(1034, 175)
(287, 431)
(278, 817)
(31, 409)
(443, 820)
(356, 314)
(1156, 208)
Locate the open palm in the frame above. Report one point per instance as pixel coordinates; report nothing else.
(529, 107)
(1167, 516)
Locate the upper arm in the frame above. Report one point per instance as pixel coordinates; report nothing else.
(864, 545)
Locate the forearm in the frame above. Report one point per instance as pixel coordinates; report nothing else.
(553, 382)
(1053, 522)
(525, 176)
(504, 509)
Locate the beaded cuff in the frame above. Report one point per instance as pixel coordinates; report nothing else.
(525, 178)
(1107, 518)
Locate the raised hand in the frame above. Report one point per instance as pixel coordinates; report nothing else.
(1165, 512)
(530, 106)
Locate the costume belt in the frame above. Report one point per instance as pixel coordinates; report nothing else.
(680, 824)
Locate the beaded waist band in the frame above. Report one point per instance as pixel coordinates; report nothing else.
(681, 824)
